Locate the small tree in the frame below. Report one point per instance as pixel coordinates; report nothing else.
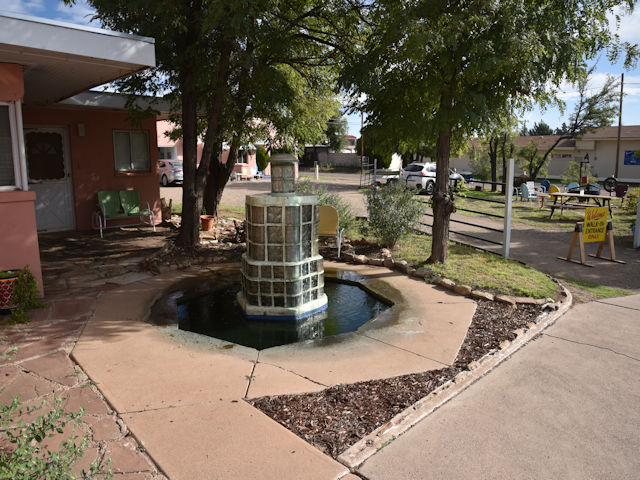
(540, 129)
(336, 132)
(262, 158)
(393, 213)
(529, 159)
(480, 165)
(572, 173)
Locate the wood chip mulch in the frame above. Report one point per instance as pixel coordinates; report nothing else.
(336, 418)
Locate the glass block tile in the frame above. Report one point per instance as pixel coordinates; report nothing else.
(306, 249)
(276, 171)
(265, 272)
(306, 297)
(294, 301)
(275, 254)
(257, 252)
(305, 283)
(252, 270)
(278, 272)
(314, 294)
(313, 267)
(306, 213)
(274, 214)
(278, 301)
(277, 186)
(278, 287)
(314, 281)
(306, 233)
(293, 272)
(315, 248)
(288, 185)
(252, 286)
(274, 235)
(252, 299)
(316, 213)
(257, 233)
(295, 287)
(257, 215)
(292, 253)
(265, 300)
(292, 234)
(293, 215)
(305, 269)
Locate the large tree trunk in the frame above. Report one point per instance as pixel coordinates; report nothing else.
(443, 205)
(218, 177)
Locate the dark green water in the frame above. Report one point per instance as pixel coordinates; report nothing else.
(218, 315)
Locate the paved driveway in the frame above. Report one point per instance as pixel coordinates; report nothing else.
(565, 406)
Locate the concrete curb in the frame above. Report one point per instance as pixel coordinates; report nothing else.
(355, 456)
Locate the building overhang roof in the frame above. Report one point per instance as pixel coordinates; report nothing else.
(61, 59)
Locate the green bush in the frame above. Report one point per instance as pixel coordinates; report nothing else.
(631, 202)
(262, 158)
(27, 458)
(393, 212)
(25, 293)
(347, 220)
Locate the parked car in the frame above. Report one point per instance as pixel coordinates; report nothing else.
(422, 177)
(170, 172)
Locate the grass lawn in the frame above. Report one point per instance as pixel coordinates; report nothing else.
(480, 270)
(585, 291)
(223, 210)
(529, 213)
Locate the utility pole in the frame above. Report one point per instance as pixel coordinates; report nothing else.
(361, 141)
(619, 126)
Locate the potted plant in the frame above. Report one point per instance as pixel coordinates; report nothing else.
(206, 221)
(18, 293)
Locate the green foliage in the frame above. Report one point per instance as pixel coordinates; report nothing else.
(375, 150)
(336, 131)
(25, 293)
(530, 161)
(479, 163)
(393, 212)
(28, 458)
(540, 129)
(631, 202)
(262, 158)
(347, 220)
(572, 173)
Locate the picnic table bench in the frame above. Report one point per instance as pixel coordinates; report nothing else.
(562, 201)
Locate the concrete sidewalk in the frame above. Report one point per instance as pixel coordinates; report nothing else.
(565, 406)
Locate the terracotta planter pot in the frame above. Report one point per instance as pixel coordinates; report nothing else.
(206, 222)
(6, 293)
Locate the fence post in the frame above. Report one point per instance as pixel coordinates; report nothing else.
(506, 242)
(317, 174)
(636, 235)
(375, 172)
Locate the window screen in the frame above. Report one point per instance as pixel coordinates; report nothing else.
(6, 151)
(131, 150)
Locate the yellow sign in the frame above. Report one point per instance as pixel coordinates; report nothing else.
(595, 224)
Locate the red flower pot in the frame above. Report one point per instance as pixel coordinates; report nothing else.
(206, 222)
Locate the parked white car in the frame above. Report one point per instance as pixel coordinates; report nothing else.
(170, 171)
(422, 177)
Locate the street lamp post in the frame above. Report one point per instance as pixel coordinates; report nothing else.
(582, 162)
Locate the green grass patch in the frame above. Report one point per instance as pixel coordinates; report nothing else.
(529, 213)
(481, 270)
(594, 291)
(223, 210)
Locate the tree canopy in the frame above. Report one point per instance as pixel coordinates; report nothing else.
(439, 69)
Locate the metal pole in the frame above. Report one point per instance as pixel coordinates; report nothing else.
(619, 126)
(636, 235)
(375, 171)
(317, 173)
(507, 210)
(361, 141)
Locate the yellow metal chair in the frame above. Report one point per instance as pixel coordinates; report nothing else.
(329, 225)
(554, 189)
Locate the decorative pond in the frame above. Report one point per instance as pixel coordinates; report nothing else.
(210, 307)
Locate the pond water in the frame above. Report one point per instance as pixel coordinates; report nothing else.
(216, 313)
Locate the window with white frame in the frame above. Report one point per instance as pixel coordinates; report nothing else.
(131, 151)
(167, 153)
(11, 161)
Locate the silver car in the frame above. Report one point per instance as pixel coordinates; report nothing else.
(170, 171)
(422, 177)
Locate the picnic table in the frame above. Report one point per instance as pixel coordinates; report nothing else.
(564, 200)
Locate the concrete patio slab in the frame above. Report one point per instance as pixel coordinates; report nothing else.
(348, 358)
(631, 302)
(271, 380)
(436, 331)
(140, 369)
(227, 440)
(556, 409)
(607, 326)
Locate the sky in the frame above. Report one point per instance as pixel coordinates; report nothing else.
(629, 31)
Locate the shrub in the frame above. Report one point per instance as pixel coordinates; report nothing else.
(27, 458)
(631, 202)
(393, 212)
(262, 158)
(25, 293)
(347, 220)
(572, 173)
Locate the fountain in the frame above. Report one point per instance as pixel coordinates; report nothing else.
(282, 271)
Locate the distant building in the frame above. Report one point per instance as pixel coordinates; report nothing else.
(601, 146)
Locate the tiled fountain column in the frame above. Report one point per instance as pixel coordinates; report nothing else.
(282, 272)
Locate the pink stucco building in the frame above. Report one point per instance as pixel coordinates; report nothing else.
(58, 145)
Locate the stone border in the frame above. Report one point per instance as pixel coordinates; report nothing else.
(460, 289)
(358, 453)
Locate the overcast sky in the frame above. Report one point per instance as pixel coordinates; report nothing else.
(629, 31)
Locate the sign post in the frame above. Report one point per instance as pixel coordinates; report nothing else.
(595, 228)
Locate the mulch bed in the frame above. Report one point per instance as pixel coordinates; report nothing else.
(336, 418)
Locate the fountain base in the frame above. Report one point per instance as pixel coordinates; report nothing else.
(285, 314)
